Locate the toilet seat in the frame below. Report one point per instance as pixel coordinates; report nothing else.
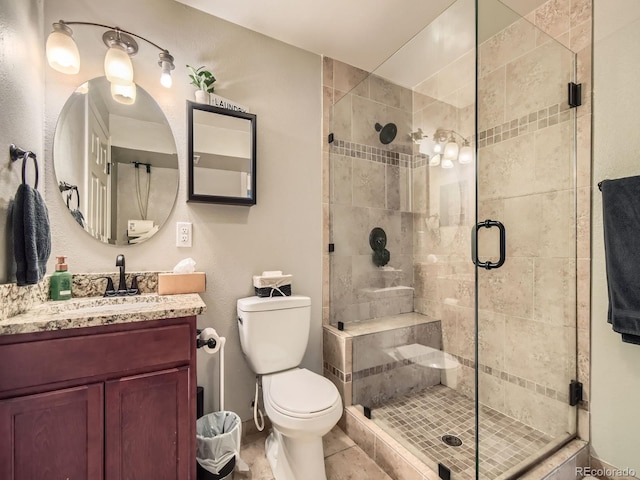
(300, 393)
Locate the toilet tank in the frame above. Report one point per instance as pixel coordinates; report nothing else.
(274, 331)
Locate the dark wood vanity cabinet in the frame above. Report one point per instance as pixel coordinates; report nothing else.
(112, 403)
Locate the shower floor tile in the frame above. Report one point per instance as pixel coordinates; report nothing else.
(420, 420)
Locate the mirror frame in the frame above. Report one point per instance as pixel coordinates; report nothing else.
(89, 96)
(196, 197)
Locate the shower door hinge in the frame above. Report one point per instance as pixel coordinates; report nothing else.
(575, 393)
(332, 247)
(367, 412)
(330, 138)
(443, 472)
(108, 165)
(575, 95)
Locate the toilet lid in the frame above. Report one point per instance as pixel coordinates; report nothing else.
(302, 391)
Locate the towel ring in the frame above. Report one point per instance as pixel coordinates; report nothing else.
(70, 193)
(24, 167)
(16, 153)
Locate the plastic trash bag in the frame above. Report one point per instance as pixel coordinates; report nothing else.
(218, 440)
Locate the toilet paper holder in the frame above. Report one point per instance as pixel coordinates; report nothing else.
(211, 342)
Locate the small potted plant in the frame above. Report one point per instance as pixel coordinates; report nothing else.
(203, 80)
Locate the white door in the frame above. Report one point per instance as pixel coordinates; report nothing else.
(98, 177)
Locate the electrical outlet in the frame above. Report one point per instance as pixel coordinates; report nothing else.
(183, 234)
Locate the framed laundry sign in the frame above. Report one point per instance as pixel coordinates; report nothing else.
(221, 102)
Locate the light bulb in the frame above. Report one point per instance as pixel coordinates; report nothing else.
(451, 150)
(434, 161)
(117, 66)
(166, 64)
(62, 51)
(437, 148)
(466, 154)
(447, 163)
(125, 94)
(165, 78)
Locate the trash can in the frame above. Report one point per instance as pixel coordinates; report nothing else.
(217, 445)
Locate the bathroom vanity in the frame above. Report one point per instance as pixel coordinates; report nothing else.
(100, 391)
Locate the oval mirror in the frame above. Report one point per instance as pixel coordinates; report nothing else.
(116, 162)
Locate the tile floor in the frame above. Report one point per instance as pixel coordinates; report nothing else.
(420, 420)
(344, 460)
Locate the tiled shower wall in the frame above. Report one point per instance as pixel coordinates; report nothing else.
(442, 270)
(512, 299)
(369, 187)
(521, 123)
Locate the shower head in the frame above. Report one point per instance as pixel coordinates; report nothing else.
(387, 133)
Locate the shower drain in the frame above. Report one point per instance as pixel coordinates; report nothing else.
(451, 440)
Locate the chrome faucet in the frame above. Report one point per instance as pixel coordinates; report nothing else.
(122, 284)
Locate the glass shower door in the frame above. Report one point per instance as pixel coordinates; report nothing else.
(526, 243)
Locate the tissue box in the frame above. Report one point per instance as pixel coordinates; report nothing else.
(174, 283)
(272, 285)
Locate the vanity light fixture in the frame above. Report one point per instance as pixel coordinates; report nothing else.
(451, 149)
(447, 149)
(417, 136)
(63, 55)
(125, 94)
(466, 153)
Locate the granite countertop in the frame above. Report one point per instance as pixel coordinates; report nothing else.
(98, 311)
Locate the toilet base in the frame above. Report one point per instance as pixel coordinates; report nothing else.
(295, 458)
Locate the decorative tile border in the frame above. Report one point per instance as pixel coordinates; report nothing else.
(374, 154)
(521, 382)
(378, 369)
(546, 117)
(504, 376)
(344, 377)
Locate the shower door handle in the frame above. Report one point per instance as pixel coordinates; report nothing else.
(474, 247)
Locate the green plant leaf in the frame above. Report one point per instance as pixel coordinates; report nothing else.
(201, 78)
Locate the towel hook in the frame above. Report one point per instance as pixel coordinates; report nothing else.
(16, 153)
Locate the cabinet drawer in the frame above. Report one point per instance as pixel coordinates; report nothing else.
(97, 356)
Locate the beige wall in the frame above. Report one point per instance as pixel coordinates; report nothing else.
(615, 422)
(21, 97)
(278, 82)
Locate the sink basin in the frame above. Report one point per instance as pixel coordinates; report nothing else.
(99, 304)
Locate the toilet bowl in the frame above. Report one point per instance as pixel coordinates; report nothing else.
(302, 406)
(429, 357)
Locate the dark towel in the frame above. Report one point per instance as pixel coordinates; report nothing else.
(621, 218)
(31, 235)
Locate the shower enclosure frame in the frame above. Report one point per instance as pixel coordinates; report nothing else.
(395, 158)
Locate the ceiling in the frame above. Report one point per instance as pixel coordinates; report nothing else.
(365, 33)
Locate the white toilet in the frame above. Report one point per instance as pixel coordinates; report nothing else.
(302, 405)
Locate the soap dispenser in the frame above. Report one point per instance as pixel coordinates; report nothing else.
(61, 281)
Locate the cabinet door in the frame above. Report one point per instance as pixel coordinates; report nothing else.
(53, 435)
(148, 428)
